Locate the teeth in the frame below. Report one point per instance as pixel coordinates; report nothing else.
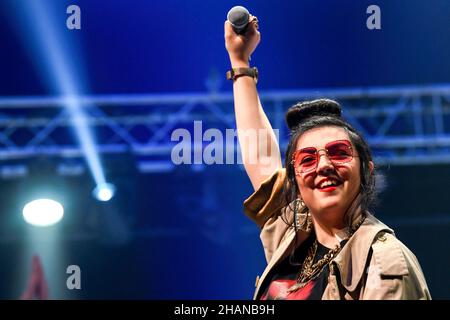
(328, 183)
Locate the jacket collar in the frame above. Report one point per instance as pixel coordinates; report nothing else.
(352, 259)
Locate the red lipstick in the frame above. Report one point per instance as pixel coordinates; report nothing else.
(328, 189)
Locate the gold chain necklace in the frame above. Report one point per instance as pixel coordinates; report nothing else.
(309, 270)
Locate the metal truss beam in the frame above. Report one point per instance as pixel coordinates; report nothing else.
(404, 124)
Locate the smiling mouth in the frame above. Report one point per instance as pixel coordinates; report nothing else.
(328, 185)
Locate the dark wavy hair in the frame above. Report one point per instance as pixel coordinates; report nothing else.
(307, 115)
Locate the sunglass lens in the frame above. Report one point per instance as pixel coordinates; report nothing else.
(340, 151)
(306, 159)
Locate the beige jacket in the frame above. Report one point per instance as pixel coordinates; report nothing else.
(373, 264)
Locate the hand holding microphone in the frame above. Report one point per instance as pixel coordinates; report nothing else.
(241, 35)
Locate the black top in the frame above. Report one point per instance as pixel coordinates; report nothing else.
(284, 275)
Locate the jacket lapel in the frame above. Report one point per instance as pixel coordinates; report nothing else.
(352, 259)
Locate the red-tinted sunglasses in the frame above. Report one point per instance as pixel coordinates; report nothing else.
(305, 160)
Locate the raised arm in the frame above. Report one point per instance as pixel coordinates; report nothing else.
(259, 146)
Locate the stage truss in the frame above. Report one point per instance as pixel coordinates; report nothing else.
(404, 125)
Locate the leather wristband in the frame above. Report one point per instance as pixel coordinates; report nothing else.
(235, 73)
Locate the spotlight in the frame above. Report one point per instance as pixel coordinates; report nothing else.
(43, 212)
(104, 191)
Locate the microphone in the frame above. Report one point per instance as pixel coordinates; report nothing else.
(238, 18)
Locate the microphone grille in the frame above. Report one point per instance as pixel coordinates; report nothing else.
(238, 16)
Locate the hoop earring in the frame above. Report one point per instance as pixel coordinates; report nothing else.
(302, 220)
(296, 218)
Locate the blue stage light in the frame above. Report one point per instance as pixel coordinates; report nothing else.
(104, 191)
(61, 69)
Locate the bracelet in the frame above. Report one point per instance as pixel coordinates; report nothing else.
(235, 73)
